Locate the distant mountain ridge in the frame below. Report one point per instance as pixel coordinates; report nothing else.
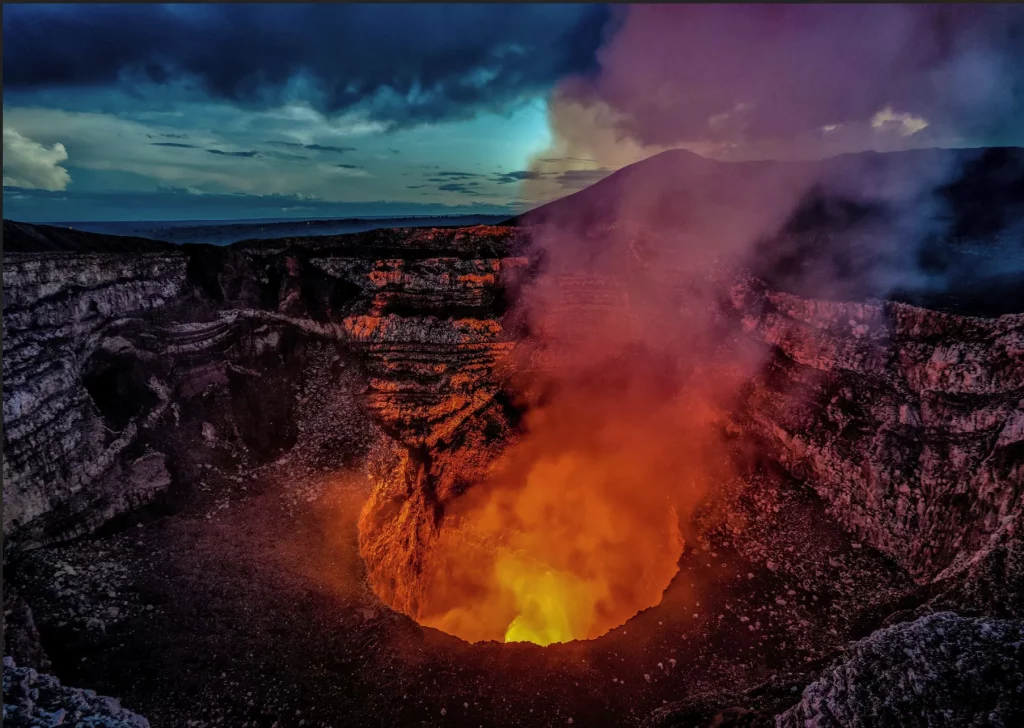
(989, 177)
(23, 237)
(226, 232)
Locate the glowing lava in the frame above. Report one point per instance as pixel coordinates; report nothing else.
(553, 606)
(571, 530)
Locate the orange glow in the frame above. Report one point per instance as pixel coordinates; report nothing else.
(566, 524)
(577, 528)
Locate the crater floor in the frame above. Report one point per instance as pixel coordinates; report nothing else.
(246, 603)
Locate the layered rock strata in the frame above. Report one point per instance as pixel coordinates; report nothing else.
(906, 421)
(116, 365)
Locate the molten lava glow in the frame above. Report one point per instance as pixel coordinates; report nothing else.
(569, 522)
(576, 530)
(553, 606)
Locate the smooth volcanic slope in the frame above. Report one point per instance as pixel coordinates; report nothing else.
(246, 393)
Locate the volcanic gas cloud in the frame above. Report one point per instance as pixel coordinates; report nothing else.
(574, 512)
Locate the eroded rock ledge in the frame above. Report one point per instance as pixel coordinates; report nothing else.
(128, 373)
(37, 700)
(908, 422)
(941, 669)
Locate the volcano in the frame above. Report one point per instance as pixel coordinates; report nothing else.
(581, 468)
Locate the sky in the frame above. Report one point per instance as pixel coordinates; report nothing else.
(138, 112)
(203, 111)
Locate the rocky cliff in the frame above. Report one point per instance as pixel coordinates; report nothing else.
(69, 423)
(114, 362)
(131, 377)
(908, 422)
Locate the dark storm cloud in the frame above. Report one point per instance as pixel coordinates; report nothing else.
(462, 187)
(401, 64)
(314, 147)
(517, 176)
(247, 153)
(173, 144)
(349, 166)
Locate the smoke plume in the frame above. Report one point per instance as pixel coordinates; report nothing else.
(631, 361)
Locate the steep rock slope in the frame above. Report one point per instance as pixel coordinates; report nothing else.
(908, 422)
(60, 452)
(120, 368)
(942, 669)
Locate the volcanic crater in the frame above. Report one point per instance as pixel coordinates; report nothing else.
(352, 480)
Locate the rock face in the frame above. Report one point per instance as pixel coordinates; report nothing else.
(939, 670)
(127, 374)
(64, 460)
(121, 369)
(909, 423)
(34, 700)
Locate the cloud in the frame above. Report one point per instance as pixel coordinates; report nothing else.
(580, 178)
(173, 144)
(464, 188)
(30, 165)
(247, 153)
(314, 147)
(558, 160)
(905, 124)
(349, 166)
(286, 156)
(748, 80)
(463, 175)
(399, 65)
(518, 176)
(115, 153)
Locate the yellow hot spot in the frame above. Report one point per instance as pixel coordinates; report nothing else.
(552, 606)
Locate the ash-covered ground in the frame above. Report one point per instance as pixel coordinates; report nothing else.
(247, 604)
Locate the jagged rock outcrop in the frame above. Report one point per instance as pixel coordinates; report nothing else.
(907, 422)
(62, 457)
(129, 374)
(942, 669)
(36, 700)
(115, 364)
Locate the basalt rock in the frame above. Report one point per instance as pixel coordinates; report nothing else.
(906, 421)
(942, 669)
(127, 372)
(70, 422)
(37, 700)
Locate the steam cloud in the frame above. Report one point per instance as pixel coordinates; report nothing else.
(785, 81)
(633, 363)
